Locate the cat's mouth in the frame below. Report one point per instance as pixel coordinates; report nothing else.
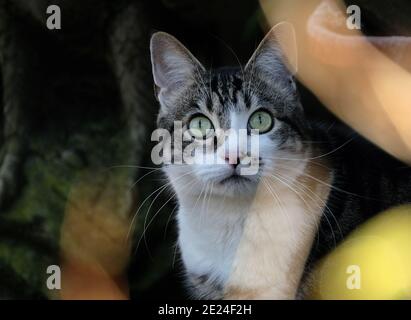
(234, 178)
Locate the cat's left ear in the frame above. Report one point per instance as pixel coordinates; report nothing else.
(277, 49)
(174, 66)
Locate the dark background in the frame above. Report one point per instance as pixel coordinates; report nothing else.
(80, 99)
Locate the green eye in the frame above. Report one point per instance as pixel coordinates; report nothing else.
(261, 120)
(200, 126)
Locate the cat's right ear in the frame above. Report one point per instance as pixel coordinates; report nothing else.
(277, 49)
(174, 66)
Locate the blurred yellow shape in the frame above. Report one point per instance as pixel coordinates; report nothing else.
(373, 263)
(94, 240)
(363, 80)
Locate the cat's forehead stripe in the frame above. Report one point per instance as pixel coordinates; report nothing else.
(226, 88)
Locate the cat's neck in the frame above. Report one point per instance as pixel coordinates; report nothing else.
(270, 234)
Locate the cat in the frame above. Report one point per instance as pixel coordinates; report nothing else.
(258, 236)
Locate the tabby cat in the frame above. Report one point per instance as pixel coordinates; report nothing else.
(257, 236)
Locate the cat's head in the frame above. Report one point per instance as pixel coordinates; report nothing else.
(213, 106)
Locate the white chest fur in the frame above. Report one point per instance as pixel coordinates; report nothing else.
(209, 238)
(256, 247)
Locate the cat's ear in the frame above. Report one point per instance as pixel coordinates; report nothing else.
(174, 66)
(276, 50)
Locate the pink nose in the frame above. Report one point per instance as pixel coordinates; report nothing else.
(234, 165)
